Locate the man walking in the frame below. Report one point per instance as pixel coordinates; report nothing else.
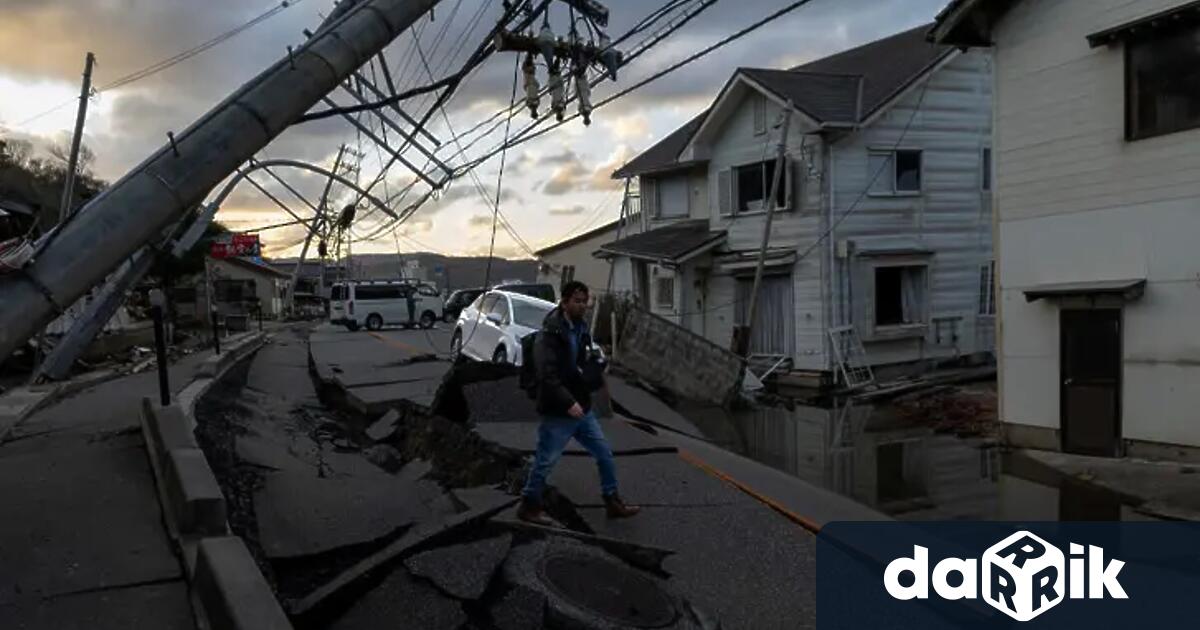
(567, 375)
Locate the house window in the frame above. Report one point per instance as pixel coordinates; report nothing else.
(760, 114)
(1163, 83)
(894, 172)
(664, 293)
(987, 289)
(672, 197)
(985, 167)
(900, 295)
(568, 273)
(753, 183)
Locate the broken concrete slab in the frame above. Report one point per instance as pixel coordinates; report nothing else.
(586, 587)
(362, 374)
(642, 556)
(641, 404)
(375, 399)
(302, 514)
(230, 589)
(402, 602)
(523, 436)
(521, 608)
(384, 426)
(774, 560)
(645, 480)
(424, 532)
(464, 570)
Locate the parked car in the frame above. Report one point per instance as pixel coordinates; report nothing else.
(540, 291)
(491, 327)
(457, 301)
(378, 303)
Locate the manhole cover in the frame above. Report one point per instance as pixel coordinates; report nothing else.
(608, 590)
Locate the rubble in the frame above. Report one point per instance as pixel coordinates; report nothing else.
(382, 428)
(962, 411)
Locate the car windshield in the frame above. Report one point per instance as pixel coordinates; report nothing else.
(528, 314)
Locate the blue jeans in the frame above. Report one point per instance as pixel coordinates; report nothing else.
(553, 435)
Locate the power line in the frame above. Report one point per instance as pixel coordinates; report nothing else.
(527, 134)
(164, 64)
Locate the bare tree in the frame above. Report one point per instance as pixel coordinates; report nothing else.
(60, 150)
(16, 152)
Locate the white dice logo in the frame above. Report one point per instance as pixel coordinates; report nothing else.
(1023, 576)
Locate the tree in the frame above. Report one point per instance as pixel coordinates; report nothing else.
(16, 153)
(60, 150)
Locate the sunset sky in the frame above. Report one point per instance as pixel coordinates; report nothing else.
(555, 186)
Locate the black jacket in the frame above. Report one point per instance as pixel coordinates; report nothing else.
(560, 383)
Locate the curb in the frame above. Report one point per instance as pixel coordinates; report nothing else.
(227, 589)
(212, 368)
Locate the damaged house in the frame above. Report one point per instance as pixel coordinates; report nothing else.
(880, 251)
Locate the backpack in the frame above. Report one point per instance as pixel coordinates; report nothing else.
(529, 378)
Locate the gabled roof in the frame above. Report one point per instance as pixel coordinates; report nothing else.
(607, 227)
(670, 243)
(663, 154)
(968, 23)
(845, 88)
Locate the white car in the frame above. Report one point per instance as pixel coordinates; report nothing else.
(491, 327)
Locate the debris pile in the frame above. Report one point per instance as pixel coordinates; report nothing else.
(962, 411)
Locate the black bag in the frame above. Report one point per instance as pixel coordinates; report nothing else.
(529, 378)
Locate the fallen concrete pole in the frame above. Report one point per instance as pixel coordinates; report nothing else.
(179, 175)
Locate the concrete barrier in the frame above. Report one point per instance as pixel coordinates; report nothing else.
(232, 593)
(195, 497)
(227, 589)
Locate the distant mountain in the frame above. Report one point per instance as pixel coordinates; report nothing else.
(455, 272)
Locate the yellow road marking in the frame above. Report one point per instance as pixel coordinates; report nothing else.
(399, 344)
(802, 521)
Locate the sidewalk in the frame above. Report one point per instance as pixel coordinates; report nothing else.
(1159, 489)
(82, 543)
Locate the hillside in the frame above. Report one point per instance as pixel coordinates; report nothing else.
(458, 272)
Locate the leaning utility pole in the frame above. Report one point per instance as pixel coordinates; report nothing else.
(780, 163)
(313, 230)
(177, 177)
(73, 161)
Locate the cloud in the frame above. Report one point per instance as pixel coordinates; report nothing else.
(567, 212)
(480, 220)
(572, 175)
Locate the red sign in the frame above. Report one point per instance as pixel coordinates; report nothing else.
(237, 245)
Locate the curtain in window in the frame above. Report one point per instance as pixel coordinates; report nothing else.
(912, 295)
(774, 325)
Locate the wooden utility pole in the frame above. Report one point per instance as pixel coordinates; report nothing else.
(73, 162)
(313, 231)
(780, 164)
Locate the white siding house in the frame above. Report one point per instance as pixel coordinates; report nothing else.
(881, 221)
(572, 259)
(1097, 185)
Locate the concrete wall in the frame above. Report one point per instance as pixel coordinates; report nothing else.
(1075, 201)
(667, 355)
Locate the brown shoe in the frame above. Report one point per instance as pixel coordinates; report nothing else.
(616, 508)
(531, 512)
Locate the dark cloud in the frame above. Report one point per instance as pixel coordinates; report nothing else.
(567, 212)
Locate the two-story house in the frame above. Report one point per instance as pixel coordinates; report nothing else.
(882, 225)
(1097, 187)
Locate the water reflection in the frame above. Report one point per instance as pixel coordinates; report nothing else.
(904, 469)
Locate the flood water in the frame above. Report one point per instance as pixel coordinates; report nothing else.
(868, 453)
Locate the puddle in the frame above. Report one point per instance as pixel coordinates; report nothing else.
(911, 472)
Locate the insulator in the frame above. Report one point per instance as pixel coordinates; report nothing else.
(532, 87)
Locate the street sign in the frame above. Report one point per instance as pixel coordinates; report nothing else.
(236, 245)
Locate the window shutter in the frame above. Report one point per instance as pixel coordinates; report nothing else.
(725, 191)
(650, 197)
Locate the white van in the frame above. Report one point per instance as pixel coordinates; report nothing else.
(378, 303)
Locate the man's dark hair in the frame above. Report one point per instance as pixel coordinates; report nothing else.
(571, 288)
